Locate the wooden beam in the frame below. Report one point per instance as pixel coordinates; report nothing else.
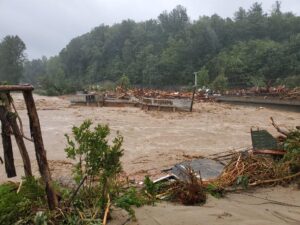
(269, 151)
(39, 149)
(24, 87)
(7, 146)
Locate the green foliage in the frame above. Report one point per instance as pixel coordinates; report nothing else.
(292, 146)
(220, 83)
(150, 187)
(97, 160)
(203, 77)
(291, 81)
(40, 218)
(124, 82)
(11, 59)
(257, 81)
(130, 198)
(292, 143)
(253, 48)
(242, 181)
(95, 156)
(214, 191)
(19, 207)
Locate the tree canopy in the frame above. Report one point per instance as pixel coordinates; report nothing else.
(252, 48)
(11, 59)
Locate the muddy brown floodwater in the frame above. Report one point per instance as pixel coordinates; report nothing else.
(152, 140)
(157, 140)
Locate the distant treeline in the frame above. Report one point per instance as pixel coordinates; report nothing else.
(252, 48)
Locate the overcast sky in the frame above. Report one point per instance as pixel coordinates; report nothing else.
(46, 26)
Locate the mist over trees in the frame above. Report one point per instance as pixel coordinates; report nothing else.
(252, 48)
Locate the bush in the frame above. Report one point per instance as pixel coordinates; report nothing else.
(292, 81)
(124, 82)
(292, 146)
(20, 207)
(97, 161)
(130, 198)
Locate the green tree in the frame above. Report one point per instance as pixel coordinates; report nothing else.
(167, 50)
(124, 82)
(34, 71)
(203, 77)
(257, 81)
(220, 83)
(175, 21)
(11, 59)
(55, 81)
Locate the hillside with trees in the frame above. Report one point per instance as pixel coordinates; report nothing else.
(253, 48)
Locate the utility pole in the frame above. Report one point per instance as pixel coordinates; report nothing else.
(196, 80)
(194, 91)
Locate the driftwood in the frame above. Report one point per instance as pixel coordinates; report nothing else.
(39, 148)
(275, 180)
(7, 145)
(269, 151)
(280, 130)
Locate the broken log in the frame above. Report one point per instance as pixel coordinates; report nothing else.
(269, 151)
(275, 180)
(7, 146)
(280, 130)
(40, 152)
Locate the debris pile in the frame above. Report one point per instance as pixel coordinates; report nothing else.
(271, 92)
(243, 168)
(188, 192)
(252, 170)
(200, 96)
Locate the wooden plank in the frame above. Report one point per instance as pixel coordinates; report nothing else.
(269, 151)
(16, 88)
(7, 146)
(39, 149)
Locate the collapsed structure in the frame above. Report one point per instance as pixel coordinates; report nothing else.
(175, 102)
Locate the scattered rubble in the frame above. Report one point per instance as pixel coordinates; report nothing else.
(243, 168)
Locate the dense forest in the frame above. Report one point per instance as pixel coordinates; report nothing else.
(253, 48)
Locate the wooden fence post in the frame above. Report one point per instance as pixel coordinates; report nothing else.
(39, 148)
(20, 142)
(7, 146)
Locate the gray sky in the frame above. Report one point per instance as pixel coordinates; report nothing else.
(46, 26)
